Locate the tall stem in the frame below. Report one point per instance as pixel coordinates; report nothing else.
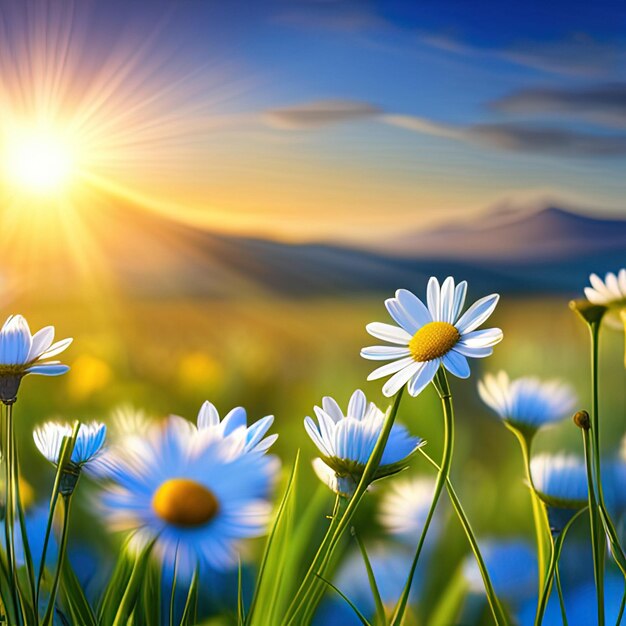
(446, 461)
(49, 616)
(9, 516)
(540, 518)
(597, 538)
(494, 604)
(344, 520)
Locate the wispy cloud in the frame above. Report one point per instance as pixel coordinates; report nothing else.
(320, 113)
(511, 137)
(519, 137)
(579, 54)
(604, 104)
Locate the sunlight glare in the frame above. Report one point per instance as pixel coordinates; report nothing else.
(39, 161)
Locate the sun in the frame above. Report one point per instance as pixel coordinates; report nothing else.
(40, 161)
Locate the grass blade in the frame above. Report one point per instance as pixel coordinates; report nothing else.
(347, 600)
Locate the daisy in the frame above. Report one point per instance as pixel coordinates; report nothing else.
(195, 494)
(209, 418)
(346, 442)
(611, 293)
(527, 404)
(22, 353)
(560, 480)
(429, 336)
(404, 508)
(88, 446)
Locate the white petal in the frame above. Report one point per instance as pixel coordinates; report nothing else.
(423, 377)
(208, 416)
(389, 333)
(414, 307)
(392, 386)
(390, 368)
(357, 404)
(384, 353)
(56, 348)
(42, 340)
(400, 315)
(481, 338)
(433, 298)
(477, 313)
(447, 300)
(456, 364)
(332, 408)
(459, 300)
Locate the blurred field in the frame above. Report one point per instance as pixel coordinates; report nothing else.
(282, 356)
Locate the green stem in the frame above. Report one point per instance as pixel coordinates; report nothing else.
(28, 558)
(9, 516)
(559, 589)
(596, 533)
(555, 552)
(494, 604)
(49, 615)
(540, 518)
(446, 461)
(344, 521)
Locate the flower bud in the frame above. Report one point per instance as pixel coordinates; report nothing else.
(582, 420)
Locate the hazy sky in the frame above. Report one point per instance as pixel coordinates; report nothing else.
(329, 119)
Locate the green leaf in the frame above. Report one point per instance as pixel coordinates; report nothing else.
(74, 598)
(380, 607)
(187, 616)
(115, 589)
(268, 585)
(133, 589)
(347, 600)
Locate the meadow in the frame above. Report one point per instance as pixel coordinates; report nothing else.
(278, 356)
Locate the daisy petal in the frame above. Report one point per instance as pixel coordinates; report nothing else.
(42, 340)
(456, 364)
(414, 307)
(423, 377)
(447, 300)
(477, 313)
(433, 298)
(357, 404)
(390, 368)
(392, 386)
(389, 333)
(384, 353)
(482, 338)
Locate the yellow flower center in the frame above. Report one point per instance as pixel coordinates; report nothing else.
(184, 502)
(433, 340)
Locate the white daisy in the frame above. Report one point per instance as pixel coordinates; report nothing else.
(528, 403)
(560, 480)
(89, 441)
(347, 442)
(404, 508)
(209, 418)
(429, 336)
(611, 293)
(195, 493)
(22, 353)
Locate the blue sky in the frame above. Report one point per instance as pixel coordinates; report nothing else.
(335, 119)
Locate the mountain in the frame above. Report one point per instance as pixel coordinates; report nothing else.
(146, 254)
(549, 234)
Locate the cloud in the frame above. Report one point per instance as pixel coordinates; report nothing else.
(578, 54)
(320, 113)
(519, 138)
(604, 104)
